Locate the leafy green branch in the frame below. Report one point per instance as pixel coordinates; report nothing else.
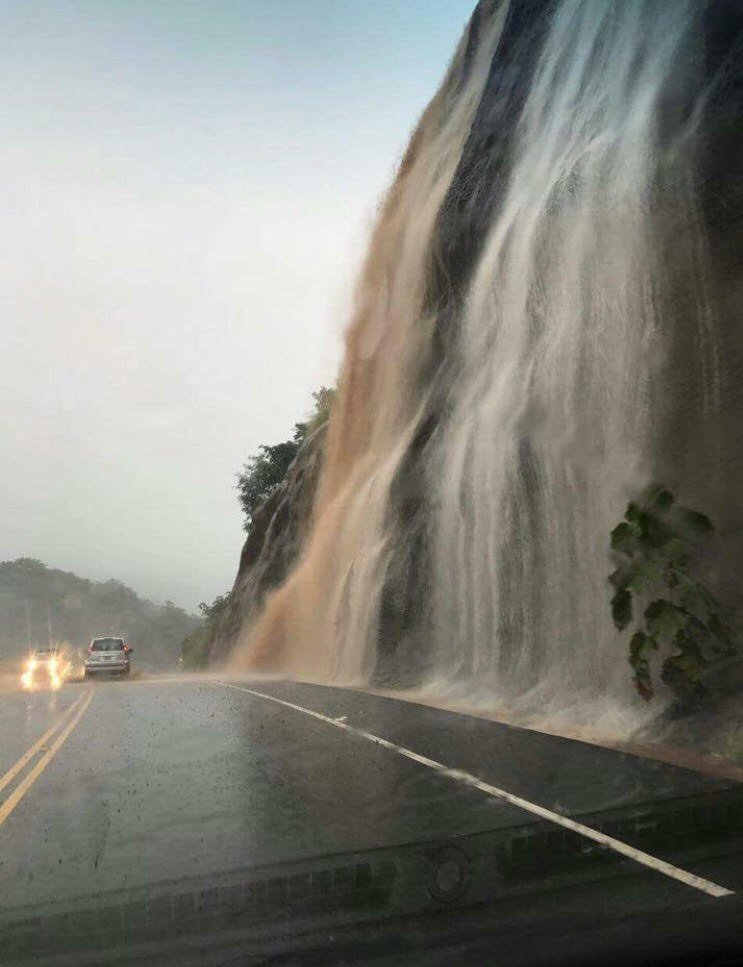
(265, 470)
(654, 548)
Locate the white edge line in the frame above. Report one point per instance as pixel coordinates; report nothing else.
(624, 849)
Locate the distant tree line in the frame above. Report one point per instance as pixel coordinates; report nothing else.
(195, 648)
(37, 602)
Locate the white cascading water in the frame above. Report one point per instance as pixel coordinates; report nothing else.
(551, 412)
(545, 411)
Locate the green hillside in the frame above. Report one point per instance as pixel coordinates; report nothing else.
(34, 596)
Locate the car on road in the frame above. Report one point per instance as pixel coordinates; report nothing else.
(43, 667)
(108, 656)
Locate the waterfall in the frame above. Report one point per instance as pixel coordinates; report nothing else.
(536, 264)
(559, 327)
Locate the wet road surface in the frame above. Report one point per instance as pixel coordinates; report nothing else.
(148, 785)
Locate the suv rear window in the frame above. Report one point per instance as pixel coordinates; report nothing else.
(107, 644)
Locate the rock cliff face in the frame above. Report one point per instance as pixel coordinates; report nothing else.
(273, 544)
(546, 321)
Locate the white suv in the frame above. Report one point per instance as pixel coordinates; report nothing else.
(108, 655)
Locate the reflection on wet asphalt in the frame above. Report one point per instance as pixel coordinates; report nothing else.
(186, 778)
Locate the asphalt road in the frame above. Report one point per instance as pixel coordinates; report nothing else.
(187, 792)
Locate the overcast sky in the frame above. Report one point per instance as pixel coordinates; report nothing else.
(186, 189)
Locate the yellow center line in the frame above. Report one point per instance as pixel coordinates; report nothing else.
(27, 756)
(22, 788)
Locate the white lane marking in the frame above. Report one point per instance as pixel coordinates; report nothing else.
(624, 849)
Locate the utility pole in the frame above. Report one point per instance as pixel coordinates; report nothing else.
(49, 623)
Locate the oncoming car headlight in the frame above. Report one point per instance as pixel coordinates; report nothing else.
(27, 678)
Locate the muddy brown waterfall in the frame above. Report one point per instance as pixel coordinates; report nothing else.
(544, 323)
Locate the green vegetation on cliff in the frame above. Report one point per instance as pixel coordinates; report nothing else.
(266, 470)
(195, 648)
(259, 481)
(657, 549)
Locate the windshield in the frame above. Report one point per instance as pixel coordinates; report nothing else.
(373, 372)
